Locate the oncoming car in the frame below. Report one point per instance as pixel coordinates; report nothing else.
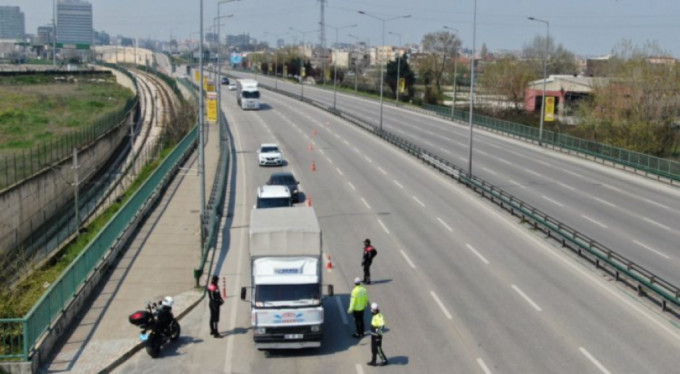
(269, 154)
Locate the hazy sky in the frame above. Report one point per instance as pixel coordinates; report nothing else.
(586, 27)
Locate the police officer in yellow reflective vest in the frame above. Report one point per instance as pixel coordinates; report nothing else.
(357, 304)
(377, 327)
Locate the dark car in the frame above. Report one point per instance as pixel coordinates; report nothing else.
(284, 178)
(225, 80)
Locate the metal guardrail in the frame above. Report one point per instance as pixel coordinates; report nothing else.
(25, 332)
(662, 292)
(217, 195)
(648, 164)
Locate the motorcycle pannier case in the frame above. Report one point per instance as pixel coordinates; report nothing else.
(141, 318)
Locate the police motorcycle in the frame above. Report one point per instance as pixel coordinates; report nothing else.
(160, 323)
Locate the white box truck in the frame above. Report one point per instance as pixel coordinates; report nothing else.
(286, 278)
(247, 94)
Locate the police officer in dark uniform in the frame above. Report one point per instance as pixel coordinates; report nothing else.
(215, 302)
(369, 253)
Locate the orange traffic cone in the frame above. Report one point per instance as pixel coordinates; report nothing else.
(311, 147)
(329, 264)
(309, 201)
(313, 165)
(313, 132)
(224, 288)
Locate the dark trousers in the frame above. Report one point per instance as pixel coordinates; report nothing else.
(376, 348)
(367, 273)
(214, 317)
(359, 321)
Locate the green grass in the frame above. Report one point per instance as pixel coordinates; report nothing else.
(16, 302)
(34, 109)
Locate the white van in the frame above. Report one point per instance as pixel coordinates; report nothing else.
(273, 197)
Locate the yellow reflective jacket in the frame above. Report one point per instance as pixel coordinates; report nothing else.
(378, 323)
(358, 300)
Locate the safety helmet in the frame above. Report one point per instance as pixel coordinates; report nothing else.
(168, 301)
(357, 280)
(367, 242)
(374, 306)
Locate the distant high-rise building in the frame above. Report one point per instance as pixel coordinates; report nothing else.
(45, 35)
(12, 23)
(74, 22)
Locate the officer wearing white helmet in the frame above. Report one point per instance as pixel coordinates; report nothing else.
(377, 329)
(357, 304)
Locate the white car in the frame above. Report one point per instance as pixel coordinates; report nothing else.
(270, 154)
(232, 86)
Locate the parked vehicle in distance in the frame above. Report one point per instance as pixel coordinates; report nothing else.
(247, 94)
(224, 80)
(273, 197)
(286, 178)
(269, 154)
(232, 86)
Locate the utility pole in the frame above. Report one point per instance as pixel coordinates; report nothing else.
(76, 186)
(322, 38)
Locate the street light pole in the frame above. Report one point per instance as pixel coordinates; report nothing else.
(201, 140)
(472, 85)
(302, 59)
(545, 70)
(398, 62)
(356, 67)
(455, 73)
(54, 34)
(335, 62)
(382, 67)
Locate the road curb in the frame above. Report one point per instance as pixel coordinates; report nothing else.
(140, 345)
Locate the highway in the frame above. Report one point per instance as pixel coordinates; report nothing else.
(634, 216)
(463, 287)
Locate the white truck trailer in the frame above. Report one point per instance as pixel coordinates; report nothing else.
(286, 278)
(247, 94)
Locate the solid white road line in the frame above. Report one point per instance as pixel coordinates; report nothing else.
(611, 187)
(483, 366)
(538, 308)
(657, 223)
(345, 141)
(418, 201)
(594, 361)
(553, 201)
(365, 203)
(481, 152)
(594, 221)
(329, 160)
(462, 158)
(382, 170)
(462, 144)
(444, 224)
(360, 369)
(368, 159)
(518, 184)
(398, 184)
(428, 143)
(651, 249)
(436, 299)
(343, 313)
(387, 231)
(489, 171)
(356, 150)
(351, 186)
(410, 263)
(605, 202)
(322, 151)
(339, 171)
(477, 253)
(445, 150)
(505, 161)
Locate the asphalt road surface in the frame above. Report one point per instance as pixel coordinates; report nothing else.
(464, 288)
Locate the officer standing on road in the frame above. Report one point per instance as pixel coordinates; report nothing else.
(369, 253)
(357, 304)
(377, 329)
(215, 302)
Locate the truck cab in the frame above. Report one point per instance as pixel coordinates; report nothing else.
(273, 197)
(286, 282)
